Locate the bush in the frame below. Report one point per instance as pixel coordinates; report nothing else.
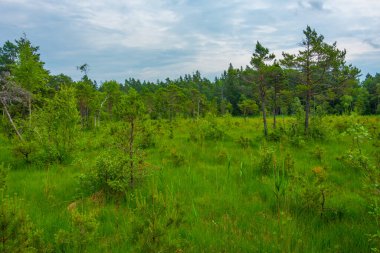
(111, 174)
(17, 231)
(156, 225)
(81, 234)
(245, 142)
(206, 129)
(176, 158)
(3, 176)
(266, 160)
(355, 160)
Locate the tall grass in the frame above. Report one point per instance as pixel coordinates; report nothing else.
(209, 196)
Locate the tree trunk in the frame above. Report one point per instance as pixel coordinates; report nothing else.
(264, 116)
(131, 163)
(11, 121)
(263, 104)
(307, 111)
(274, 109)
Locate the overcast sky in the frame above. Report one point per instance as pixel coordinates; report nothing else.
(155, 39)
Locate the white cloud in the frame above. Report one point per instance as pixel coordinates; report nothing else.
(155, 39)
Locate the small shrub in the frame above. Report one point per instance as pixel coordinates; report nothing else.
(318, 153)
(222, 156)
(111, 174)
(176, 158)
(206, 129)
(266, 160)
(245, 142)
(156, 225)
(81, 234)
(146, 139)
(275, 135)
(355, 160)
(3, 176)
(25, 149)
(288, 164)
(17, 231)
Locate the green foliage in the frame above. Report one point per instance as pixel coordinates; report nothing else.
(310, 192)
(25, 149)
(207, 129)
(248, 106)
(176, 158)
(266, 162)
(354, 160)
(3, 177)
(111, 174)
(28, 70)
(157, 227)
(318, 153)
(57, 126)
(358, 134)
(17, 231)
(147, 137)
(371, 185)
(245, 142)
(81, 235)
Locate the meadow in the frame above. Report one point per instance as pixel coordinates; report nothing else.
(212, 184)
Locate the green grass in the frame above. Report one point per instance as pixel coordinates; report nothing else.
(224, 202)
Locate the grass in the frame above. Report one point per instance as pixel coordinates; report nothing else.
(213, 189)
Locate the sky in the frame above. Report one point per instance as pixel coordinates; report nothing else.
(156, 39)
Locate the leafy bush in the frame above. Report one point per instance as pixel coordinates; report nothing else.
(111, 174)
(355, 160)
(206, 129)
(56, 127)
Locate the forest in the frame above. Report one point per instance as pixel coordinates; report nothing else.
(281, 155)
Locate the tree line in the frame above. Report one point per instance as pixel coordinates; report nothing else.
(317, 78)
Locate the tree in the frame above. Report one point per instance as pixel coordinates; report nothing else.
(261, 76)
(247, 106)
(8, 56)
(131, 109)
(28, 71)
(10, 92)
(372, 85)
(57, 124)
(112, 94)
(322, 68)
(276, 83)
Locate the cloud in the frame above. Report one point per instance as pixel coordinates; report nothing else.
(166, 38)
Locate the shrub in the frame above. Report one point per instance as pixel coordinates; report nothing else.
(318, 153)
(245, 142)
(156, 224)
(111, 174)
(266, 160)
(176, 158)
(355, 160)
(81, 234)
(3, 176)
(17, 231)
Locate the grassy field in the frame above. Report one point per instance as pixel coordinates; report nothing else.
(217, 186)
